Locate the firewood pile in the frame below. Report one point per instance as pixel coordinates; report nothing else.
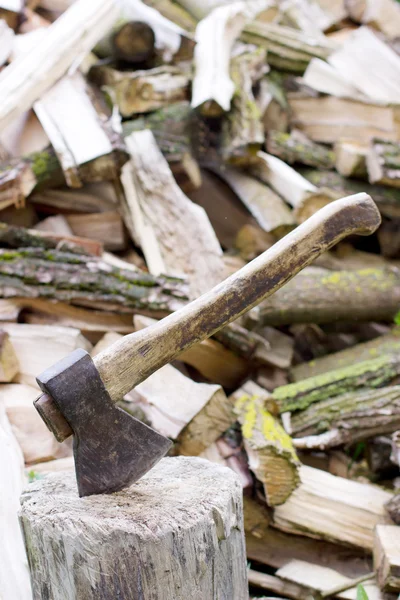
(150, 149)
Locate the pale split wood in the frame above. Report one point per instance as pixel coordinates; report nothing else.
(105, 227)
(73, 125)
(369, 64)
(305, 197)
(9, 364)
(269, 210)
(70, 37)
(351, 158)
(383, 15)
(323, 77)
(177, 533)
(333, 508)
(215, 36)
(36, 441)
(39, 346)
(387, 557)
(194, 414)
(383, 162)
(14, 572)
(6, 41)
(165, 221)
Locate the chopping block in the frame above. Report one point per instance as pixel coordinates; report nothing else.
(177, 534)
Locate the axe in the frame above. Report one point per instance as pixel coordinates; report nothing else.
(112, 449)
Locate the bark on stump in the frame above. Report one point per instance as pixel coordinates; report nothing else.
(174, 535)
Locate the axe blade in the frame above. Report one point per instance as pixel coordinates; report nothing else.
(112, 449)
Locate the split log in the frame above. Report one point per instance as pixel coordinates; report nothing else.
(37, 443)
(278, 586)
(351, 159)
(271, 455)
(383, 15)
(57, 225)
(387, 557)
(193, 414)
(92, 198)
(14, 571)
(105, 227)
(212, 86)
(248, 344)
(210, 358)
(347, 418)
(172, 41)
(387, 199)
(324, 78)
(242, 129)
(280, 353)
(393, 508)
(332, 508)
(288, 49)
(320, 296)
(328, 119)
(6, 41)
(269, 546)
(269, 210)
(86, 281)
(108, 338)
(54, 344)
(171, 128)
(324, 582)
(33, 73)
(130, 41)
(383, 163)
(79, 129)
(9, 365)
(175, 13)
(373, 373)
(295, 147)
(142, 91)
(184, 503)
(384, 344)
(305, 197)
(11, 12)
(251, 241)
(369, 64)
(164, 220)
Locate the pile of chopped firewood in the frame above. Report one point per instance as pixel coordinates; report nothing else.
(150, 149)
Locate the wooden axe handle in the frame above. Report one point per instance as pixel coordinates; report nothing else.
(132, 359)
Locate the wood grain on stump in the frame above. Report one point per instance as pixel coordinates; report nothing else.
(177, 534)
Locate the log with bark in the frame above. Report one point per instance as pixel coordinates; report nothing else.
(383, 163)
(373, 373)
(130, 41)
(85, 281)
(295, 147)
(320, 296)
(347, 418)
(269, 448)
(135, 92)
(287, 48)
(383, 344)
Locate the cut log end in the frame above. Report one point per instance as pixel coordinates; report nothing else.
(177, 533)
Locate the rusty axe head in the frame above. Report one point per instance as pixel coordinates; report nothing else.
(112, 449)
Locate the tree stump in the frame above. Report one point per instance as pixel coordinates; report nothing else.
(177, 534)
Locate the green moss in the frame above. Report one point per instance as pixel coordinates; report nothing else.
(373, 373)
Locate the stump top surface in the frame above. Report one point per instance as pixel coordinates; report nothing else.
(178, 491)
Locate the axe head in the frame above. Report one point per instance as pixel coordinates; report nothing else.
(112, 449)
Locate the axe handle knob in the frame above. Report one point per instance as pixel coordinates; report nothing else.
(132, 359)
